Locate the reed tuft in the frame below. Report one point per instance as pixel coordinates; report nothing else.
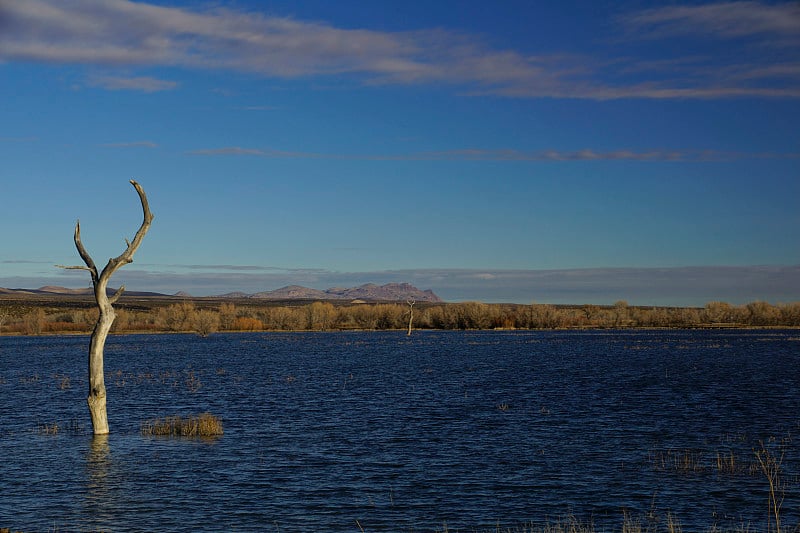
(727, 463)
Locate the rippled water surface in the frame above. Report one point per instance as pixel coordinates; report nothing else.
(342, 431)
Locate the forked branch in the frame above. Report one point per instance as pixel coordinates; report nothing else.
(124, 258)
(105, 319)
(127, 256)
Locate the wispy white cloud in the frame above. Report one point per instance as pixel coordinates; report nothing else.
(217, 268)
(778, 23)
(136, 34)
(754, 49)
(137, 83)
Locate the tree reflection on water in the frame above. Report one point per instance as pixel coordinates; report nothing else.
(98, 494)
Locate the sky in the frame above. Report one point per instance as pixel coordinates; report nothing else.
(515, 151)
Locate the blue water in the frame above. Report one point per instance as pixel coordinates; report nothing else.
(376, 430)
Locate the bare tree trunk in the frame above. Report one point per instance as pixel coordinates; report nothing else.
(97, 387)
(410, 314)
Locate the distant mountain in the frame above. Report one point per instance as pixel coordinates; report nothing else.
(391, 292)
(236, 294)
(14, 291)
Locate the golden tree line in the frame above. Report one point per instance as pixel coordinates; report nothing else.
(204, 317)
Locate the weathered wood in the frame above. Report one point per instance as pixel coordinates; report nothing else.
(97, 388)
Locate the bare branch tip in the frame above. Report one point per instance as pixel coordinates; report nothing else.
(113, 299)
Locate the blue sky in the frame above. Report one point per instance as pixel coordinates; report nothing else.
(564, 152)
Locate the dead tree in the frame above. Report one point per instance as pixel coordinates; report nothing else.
(97, 388)
(410, 303)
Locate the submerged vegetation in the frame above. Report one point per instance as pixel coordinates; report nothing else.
(207, 316)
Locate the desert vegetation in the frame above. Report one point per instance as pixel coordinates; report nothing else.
(207, 316)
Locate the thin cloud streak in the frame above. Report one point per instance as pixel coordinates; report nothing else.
(217, 268)
(18, 139)
(267, 153)
(258, 108)
(478, 154)
(134, 144)
(128, 35)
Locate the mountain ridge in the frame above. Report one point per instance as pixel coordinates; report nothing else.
(368, 291)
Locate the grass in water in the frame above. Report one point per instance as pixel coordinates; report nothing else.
(203, 425)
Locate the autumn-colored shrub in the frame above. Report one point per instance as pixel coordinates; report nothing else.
(244, 323)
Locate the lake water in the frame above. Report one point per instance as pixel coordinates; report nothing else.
(380, 431)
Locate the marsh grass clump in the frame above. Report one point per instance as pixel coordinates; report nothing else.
(203, 425)
(62, 380)
(569, 524)
(193, 382)
(566, 524)
(690, 461)
(48, 429)
(73, 427)
(29, 379)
